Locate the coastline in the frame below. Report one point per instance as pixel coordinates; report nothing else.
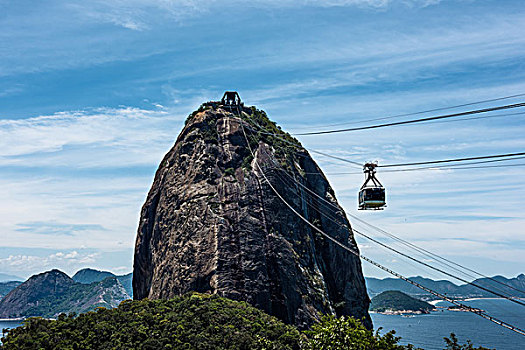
(18, 319)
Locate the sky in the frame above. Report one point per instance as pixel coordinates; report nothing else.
(93, 94)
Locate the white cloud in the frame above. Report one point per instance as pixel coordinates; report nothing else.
(129, 130)
(24, 264)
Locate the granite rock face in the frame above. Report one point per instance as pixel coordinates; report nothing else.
(211, 223)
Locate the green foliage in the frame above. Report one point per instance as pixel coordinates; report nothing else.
(197, 321)
(285, 146)
(334, 333)
(193, 321)
(201, 108)
(396, 300)
(229, 171)
(452, 344)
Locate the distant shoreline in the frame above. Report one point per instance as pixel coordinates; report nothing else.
(18, 319)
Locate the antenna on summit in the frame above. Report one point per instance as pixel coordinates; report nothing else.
(231, 101)
(231, 98)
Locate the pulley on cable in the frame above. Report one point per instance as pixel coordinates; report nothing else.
(372, 193)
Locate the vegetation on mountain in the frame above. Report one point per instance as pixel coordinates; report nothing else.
(193, 321)
(343, 333)
(87, 276)
(398, 301)
(197, 321)
(453, 344)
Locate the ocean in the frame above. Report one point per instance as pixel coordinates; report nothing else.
(427, 331)
(11, 324)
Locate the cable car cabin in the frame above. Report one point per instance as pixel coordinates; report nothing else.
(372, 198)
(372, 194)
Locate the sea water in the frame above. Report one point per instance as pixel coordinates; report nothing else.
(8, 324)
(427, 331)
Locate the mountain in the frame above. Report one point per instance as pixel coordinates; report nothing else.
(376, 286)
(393, 300)
(517, 285)
(88, 276)
(51, 293)
(6, 287)
(4, 277)
(211, 223)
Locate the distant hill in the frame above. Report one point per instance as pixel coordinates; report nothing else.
(51, 293)
(6, 287)
(87, 276)
(398, 301)
(376, 286)
(4, 277)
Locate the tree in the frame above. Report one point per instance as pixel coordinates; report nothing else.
(452, 344)
(343, 333)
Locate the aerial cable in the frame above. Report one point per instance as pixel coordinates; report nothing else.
(398, 239)
(416, 113)
(384, 268)
(335, 157)
(395, 237)
(397, 251)
(485, 110)
(452, 160)
(513, 156)
(442, 167)
(393, 165)
(465, 281)
(462, 167)
(477, 117)
(266, 132)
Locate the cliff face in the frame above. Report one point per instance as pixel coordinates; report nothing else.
(212, 224)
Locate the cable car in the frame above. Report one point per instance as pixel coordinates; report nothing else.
(372, 193)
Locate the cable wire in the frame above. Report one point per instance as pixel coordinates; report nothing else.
(452, 160)
(420, 112)
(384, 268)
(399, 239)
(484, 110)
(397, 251)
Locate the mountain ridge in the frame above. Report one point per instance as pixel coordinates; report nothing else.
(376, 286)
(53, 292)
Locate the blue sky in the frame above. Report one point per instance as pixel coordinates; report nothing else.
(93, 94)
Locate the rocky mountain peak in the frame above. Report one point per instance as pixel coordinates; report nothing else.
(53, 292)
(212, 224)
